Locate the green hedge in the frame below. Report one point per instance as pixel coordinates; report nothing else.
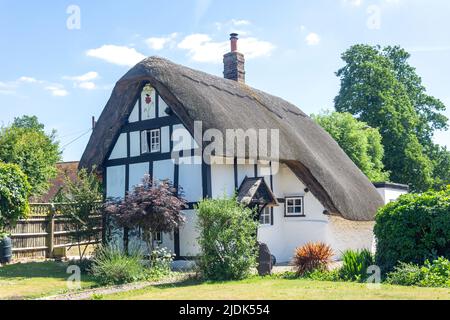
(413, 229)
(14, 193)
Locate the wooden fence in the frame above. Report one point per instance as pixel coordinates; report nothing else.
(45, 230)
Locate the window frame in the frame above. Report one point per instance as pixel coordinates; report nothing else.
(157, 237)
(148, 141)
(268, 214)
(294, 214)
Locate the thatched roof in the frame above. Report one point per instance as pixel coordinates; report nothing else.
(224, 104)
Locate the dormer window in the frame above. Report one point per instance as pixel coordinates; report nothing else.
(151, 141)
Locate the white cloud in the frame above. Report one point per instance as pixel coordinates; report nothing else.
(312, 39)
(57, 90)
(353, 3)
(159, 43)
(27, 79)
(119, 55)
(202, 48)
(234, 25)
(84, 77)
(87, 85)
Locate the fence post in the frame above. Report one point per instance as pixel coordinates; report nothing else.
(50, 239)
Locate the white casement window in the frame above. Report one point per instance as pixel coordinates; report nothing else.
(157, 238)
(265, 217)
(151, 141)
(154, 139)
(294, 207)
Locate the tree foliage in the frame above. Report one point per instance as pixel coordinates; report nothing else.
(227, 239)
(379, 87)
(413, 229)
(80, 205)
(359, 141)
(14, 193)
(26, 144)
(152, 207)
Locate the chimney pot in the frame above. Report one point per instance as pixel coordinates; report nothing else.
(234, 39)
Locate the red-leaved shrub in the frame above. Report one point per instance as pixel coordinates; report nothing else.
(312, 256)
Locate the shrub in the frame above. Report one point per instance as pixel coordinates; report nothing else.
(355, 265)
(405, 274)
(312, 256)
(227, 239)
(324, 275)
(112, 266)
(413, 229)
(14, 193)
(160, 262)
(434, 274)
(81, 197)
(151, 207)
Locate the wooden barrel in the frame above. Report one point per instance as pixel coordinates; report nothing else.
(5, 250)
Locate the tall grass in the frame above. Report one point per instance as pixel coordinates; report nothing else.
(112, 266)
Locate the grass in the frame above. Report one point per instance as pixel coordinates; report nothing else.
(278, 289)
(36, 279)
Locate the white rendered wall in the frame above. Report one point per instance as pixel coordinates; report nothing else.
(188, 235)
(134, 115)
(163, 170)
(390, 194)
(120, 148)
(165, 139)
(115, 182)
(190, 178)
(135, 144)
(162, 108)
(288, 233)
(222, 177)
(137, 171)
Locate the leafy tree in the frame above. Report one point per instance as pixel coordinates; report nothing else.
(379, 87)
(81, 198)
(26, 144)
(14, 193)
(152, 207)
(227, 239)
(361, 142)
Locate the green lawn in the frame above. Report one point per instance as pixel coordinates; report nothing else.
(278, 289)
(36, 279)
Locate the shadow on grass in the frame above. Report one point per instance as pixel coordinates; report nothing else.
(47, 269)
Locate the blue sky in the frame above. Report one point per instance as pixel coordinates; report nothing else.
(65, 74)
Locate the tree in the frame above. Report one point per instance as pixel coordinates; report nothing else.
(152, 207)
(379, 87)
(26, 144)
(14, 193)
(361, 142)
(80, 206)
(227, 239)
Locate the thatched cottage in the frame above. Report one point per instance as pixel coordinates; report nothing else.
(309, 190)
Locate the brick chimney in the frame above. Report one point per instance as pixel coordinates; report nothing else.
(234, 62)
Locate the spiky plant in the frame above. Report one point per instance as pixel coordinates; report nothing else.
(312, 256)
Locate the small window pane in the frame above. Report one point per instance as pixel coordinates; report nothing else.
(294, 207)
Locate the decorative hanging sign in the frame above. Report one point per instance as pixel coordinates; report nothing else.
(148, 103)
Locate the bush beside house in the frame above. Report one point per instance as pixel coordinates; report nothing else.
(413, 229)
(227, 239)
